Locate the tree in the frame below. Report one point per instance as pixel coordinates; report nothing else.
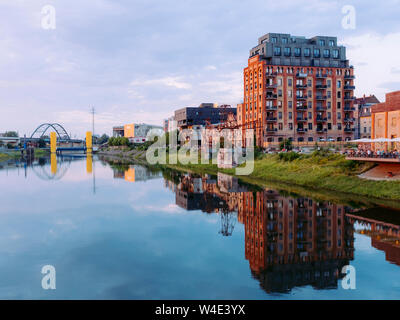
(12, 134)
(286, 144)
(103, 139)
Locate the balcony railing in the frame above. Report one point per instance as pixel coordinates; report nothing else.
(301, 86)
(348, 130)
(300, 119)
(301, 107)
(271, 85)
(321, 97)
(271, 96)
(321, 119)
(271, 119)
(273, 107)
(321, 86)
(349, 76)
(320, 75)
(349, 109)
(301, 97)
(271, 130)
(321, 108)
(271, 74)
(301, 75)
(319, 130)
(349, 87)
(349, 119)
(301, 130)
(349, 98)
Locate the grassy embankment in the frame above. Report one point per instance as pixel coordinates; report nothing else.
(319, 171)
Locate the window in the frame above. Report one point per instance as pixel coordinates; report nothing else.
(277, 51)
(284, 40)
(280, 115)
(317, 53)
(339, 105)
(310, 139)
(279, 82)
(309, 93)
(329, 116)
(290, 126)
(287, 51)
(280, 93)
(328, 83)
(310, 126)
(290, 104)
(339, 116)
(322, 43)
(329, 126)
(335, 53)
(289, 82)
(326, 53)
(297, 52)
(329, 104)
(307, 52)
(331, 43)
(309, 82)
(280, 126)
(339, 84)
(274, 39)
(290, 116)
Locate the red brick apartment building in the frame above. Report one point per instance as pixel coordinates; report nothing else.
(298, 89)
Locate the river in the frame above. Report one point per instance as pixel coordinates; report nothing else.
(114, 231)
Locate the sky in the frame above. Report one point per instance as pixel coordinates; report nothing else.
(139, 60)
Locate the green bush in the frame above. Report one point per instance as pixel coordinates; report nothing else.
(288, 156)
(118, 141)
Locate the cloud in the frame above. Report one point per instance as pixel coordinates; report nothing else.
(375, 57)
(175, 82)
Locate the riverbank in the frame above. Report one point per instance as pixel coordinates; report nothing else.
(11, 154)
(318, 171)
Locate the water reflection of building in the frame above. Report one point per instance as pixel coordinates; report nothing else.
(134, 173)
(293, 242)
(289, 241)
(385, 236)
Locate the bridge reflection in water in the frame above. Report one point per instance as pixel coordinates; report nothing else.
(289, 241)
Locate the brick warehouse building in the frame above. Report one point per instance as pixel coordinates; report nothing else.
(298, 89)
(385, 120)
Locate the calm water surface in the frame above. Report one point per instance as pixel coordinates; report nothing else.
(124, 232)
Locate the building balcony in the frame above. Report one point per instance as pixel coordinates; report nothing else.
(301, 97)
(321, 108)
(299, 119)
(349, 76)
(349, 87)
(271, 119)
(301, 130)
(349, 109)
(273, 107)
(348, 130)
(320, 76)
(301, 75)
(301, 86)
(349, 119)
(321, 119)
(321, 97)
(271, 86)
(271, 130)
(302, 107)
(271, 74)
(271, 96)
(321, 86)
(320, 130)
(348, 98)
